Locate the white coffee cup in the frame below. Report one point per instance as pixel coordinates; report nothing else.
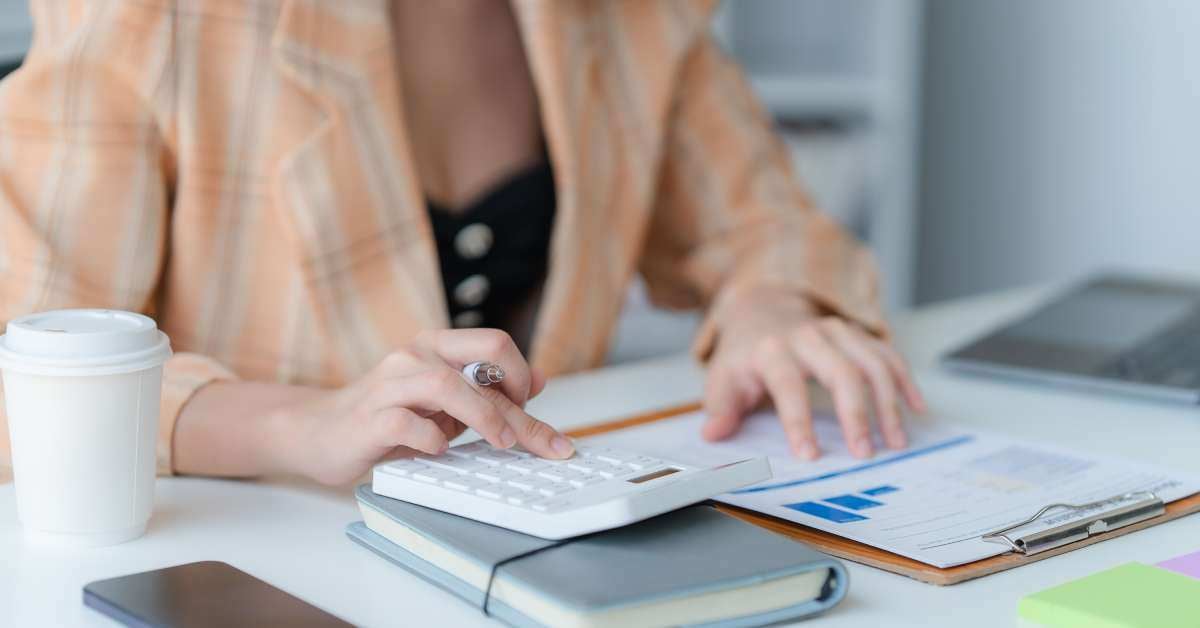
(82, 390)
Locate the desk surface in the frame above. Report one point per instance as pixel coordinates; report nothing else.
(291, 535)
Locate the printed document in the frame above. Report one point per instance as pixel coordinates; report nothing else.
(930, 502)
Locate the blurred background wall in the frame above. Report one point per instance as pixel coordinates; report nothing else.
(1059, 137)
(974, 144)
(14, 33)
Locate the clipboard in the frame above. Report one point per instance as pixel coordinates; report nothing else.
(1146, 515)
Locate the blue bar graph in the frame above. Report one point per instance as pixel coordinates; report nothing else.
(829, 513)
(853, 502)
(880, 490)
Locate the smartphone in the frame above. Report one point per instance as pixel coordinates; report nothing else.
(207, 593)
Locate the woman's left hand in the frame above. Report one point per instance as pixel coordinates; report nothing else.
(773, 342)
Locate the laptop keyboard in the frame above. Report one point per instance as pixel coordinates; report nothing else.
(1172, 358)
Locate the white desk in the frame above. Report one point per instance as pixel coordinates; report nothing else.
(291, 535)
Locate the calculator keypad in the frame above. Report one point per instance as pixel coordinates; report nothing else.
(519, 478)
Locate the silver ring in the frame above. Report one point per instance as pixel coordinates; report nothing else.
(483, 373)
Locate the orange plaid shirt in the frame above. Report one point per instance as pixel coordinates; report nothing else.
(239, 169)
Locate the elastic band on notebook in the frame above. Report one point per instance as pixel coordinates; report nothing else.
(487, 593)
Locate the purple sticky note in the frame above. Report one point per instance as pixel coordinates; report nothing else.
(1188, 564)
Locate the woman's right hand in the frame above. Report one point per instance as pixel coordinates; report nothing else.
(415, 400)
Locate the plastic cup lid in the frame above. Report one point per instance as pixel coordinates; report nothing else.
(82, 342)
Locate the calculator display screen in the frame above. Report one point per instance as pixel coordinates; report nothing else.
(653, 475)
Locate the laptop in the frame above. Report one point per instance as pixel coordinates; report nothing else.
(1112, 333)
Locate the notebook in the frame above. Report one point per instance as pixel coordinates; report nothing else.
(694, 566)
(1132, 595)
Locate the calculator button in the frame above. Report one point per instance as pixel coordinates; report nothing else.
(572, 474)
(641, 463)
(496, 474)
(525, 484)
(527, 465)
(553, 474)
(615, 457)
(403, 467)
(609, 471)
(451, 463)
(433, 476)
(540, 482)
(490, 492)
(462, 483)
(521, 499)
(585, 481)
(586, 466)
(496, 457)
(468, 450)
(508, 491)
(550, 490)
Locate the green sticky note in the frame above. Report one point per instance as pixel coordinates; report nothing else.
(1132, 595)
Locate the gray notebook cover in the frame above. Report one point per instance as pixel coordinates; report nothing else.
(682, 553)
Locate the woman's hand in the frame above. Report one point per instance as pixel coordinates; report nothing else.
(774, 342)
(416, 400)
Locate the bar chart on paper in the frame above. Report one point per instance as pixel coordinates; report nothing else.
(842, 508)
(931, 502)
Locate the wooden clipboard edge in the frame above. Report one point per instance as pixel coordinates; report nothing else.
(881, 559)
(640, 419)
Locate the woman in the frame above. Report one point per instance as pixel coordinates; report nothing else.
(289, 185)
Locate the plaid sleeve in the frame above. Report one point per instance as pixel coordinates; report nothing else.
(730, 215)
(185, 374)
(84, 187)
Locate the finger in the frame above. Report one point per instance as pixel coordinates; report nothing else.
(537, 381)
(902, 373)
(857, 346)
(449, 425)
(534, 435)
(444, 390)
(720, 404)
(727, 399)
(838, 375)
(460, 347)
(401, 427)
(787, 384)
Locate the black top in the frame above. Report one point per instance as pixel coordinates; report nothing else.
(509, 252)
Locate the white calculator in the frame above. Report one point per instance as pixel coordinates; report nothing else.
(596, 489)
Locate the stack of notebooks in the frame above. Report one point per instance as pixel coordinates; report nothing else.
(694, 566)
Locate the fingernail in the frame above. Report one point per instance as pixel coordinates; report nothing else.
(808, 451)
(508, 438)
(863, 446)
(562, 446)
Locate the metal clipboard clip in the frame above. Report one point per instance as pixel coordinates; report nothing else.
(1078, 522)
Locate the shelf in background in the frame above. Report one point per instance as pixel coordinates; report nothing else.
(853, 65)
(790, 97)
